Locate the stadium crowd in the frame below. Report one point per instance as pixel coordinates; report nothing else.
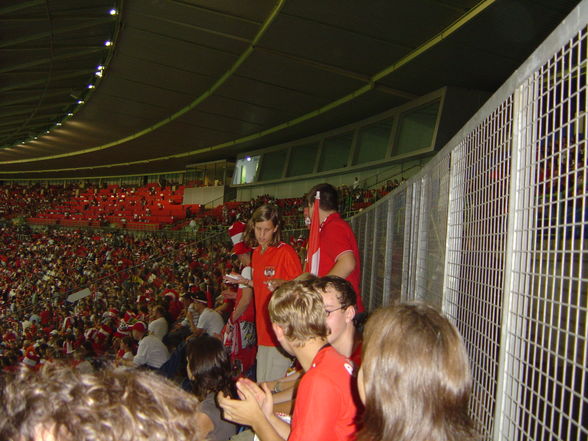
(77, 304)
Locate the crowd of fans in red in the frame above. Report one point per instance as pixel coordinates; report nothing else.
(126, 275)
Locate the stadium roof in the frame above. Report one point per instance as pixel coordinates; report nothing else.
(104, 88)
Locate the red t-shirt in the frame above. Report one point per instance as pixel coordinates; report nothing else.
(325, 407)
(335, 238)
(356, 356)
(286, 265)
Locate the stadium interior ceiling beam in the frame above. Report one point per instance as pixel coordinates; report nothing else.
(337, 71)
(192, 43)
(54, 31)
(219, 13)
(70, 74)
(28, 98)
(192, 26)
(23, 110)
(18, 6)
(49, 60)
(450, 5)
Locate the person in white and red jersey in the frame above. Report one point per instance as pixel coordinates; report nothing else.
(240, 335)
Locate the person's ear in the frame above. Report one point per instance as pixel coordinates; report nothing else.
(278, 331)
(349, 314)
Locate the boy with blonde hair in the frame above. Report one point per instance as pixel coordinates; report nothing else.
(325, 407)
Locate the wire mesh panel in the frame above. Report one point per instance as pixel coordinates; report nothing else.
(478, 203)
(433, 231)
(379, 274)
(411, 242)
(397, 219)
(546, 336)
(515, 276)
(368, 258)
(358, 226)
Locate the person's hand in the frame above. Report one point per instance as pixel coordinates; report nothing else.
(235, 278)
(229, 294)
(245, 411)
(274, 284)
(262, 395)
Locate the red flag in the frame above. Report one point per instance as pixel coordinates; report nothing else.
(313, 252)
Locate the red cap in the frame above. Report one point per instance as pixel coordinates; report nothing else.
(236, 232)
(139, 326)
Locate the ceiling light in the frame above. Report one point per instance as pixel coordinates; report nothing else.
(113, 11)
(108, 43)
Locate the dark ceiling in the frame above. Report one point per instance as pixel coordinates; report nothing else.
(188, 81)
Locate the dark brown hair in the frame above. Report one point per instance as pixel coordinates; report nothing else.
(328, 195)
(266, 212)
(345, 292)
(416, 377)
(209, 365)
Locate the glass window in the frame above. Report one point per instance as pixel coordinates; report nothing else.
(302, 159)
(272, 165)
(372, 142)
(335, 152)
(416, 128)
(245, 170)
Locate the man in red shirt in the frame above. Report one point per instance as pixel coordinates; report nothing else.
(325, 406)
(339, 254)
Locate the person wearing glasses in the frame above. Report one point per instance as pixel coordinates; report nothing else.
(340, 305)
(326, 408)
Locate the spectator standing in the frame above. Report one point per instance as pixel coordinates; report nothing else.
(240, 333)
(272, 259)
(339, 254)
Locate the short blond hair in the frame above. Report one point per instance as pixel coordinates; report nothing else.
(110, 405)
(299, 310)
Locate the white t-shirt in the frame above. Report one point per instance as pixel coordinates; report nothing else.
(158, 327)
(211, 321)
(246, 273)
(151, 352)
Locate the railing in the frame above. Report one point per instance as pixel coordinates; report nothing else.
(493, 231)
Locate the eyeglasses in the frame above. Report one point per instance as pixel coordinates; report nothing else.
(333, 310)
